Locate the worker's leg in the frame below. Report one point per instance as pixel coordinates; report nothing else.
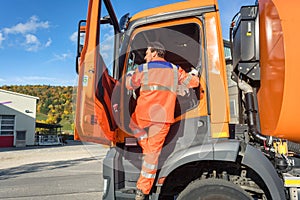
(151, 149)
(137, 130)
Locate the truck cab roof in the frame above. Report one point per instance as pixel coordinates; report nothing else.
(184, 5)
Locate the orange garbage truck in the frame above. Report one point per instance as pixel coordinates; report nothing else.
(236, 136)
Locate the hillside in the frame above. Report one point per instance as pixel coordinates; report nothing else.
(55, 104)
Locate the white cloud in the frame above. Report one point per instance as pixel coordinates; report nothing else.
(107, 26)
(73, 37)
(31, 79)
(32, 48)
(27, 30)
(31, 39)
(106, 47)
(38, 80)
(60, 57)
(31, 26)
(105, 56)
(32, 43)
(28, 80)
(1, 39)
(48, 43)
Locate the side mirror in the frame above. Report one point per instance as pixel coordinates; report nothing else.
(80, 40)
(123, 22)
(81, 36)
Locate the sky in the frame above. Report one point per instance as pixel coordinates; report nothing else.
(38, 37)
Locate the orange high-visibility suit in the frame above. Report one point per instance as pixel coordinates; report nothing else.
(158, 82)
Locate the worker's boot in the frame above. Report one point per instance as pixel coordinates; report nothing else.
(139, 195)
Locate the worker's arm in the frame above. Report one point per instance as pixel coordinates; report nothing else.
(133, 79)
(189, 80)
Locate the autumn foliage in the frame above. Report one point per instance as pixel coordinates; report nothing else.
(55, 102)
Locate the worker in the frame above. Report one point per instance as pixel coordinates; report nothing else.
(158, 81)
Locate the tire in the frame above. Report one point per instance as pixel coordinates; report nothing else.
(213, 189)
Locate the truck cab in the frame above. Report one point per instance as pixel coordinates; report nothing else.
(203, 155)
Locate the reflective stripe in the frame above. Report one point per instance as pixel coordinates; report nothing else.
(149, 166)
(145, 85)
(136, 131)
(145, 71)
(147, 175)
(142, 137)
(155, 88)
(186, 82)
(131, 84)
(143, 134)
(175, 70)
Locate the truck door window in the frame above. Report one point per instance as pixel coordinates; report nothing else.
(183, 48)
(182, 43)
(106, 40)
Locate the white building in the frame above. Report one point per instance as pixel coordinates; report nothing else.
(17, 119)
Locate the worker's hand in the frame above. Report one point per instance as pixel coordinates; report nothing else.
(194, 72)
(130, 73)
(182, 90)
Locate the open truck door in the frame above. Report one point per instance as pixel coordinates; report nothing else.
(97, 54)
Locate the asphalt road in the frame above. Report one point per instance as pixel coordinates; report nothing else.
(73, 171)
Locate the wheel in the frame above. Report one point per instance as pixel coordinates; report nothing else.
(213, 189)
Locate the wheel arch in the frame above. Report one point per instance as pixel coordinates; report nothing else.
(225, 151)
(197, 155)
(255, 160)
(222, 153)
